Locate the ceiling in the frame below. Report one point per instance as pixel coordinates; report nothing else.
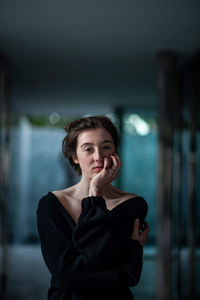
(63, 48)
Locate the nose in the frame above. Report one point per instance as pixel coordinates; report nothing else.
(98, 156)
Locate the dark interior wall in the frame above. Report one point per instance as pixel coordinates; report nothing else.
(79, 52)
(85, 85)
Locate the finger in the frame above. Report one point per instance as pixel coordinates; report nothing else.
(106, 163)
(118, 158)
(119, 163)
(136, 228)
(143, 237)
(114, 161)
(146, 226)
(116, 165)
(109, 167)
(146, 231)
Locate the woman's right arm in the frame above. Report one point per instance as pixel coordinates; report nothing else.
(70, 269)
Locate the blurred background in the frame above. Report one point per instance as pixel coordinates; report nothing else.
(138, 62)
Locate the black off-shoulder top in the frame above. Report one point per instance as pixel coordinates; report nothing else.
(95, 258)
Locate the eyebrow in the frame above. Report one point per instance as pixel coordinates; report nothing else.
(90, 144)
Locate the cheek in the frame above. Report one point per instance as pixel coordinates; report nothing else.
(84, 162)
(109, 152)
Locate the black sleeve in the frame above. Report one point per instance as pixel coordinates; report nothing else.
(108, 232)
(70, 268)
(109, 235)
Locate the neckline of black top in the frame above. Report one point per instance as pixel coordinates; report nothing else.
(115, 208)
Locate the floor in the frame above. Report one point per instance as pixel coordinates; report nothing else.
(28, 277)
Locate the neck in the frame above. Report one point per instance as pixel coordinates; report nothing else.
(83, 186)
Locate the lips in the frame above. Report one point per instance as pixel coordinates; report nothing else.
(98, 168)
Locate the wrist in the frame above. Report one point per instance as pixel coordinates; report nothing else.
(95, 191)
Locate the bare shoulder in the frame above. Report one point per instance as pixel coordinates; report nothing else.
(71, 204)
(117, 197)
(64, 192)
(123, 196)
(63, 195)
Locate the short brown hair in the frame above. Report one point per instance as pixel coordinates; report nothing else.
(74, 128)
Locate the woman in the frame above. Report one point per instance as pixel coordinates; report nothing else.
(92, 233)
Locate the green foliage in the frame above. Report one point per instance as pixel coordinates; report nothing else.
(45, 121)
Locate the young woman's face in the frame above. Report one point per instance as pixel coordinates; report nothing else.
(93, 145)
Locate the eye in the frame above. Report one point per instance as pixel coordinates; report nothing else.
(88, 149)
(106, 147)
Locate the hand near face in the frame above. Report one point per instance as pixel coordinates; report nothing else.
(109, 173)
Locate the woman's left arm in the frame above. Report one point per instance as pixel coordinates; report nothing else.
(103, 235)
(132, 261)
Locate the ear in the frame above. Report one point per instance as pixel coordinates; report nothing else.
(75, 159)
